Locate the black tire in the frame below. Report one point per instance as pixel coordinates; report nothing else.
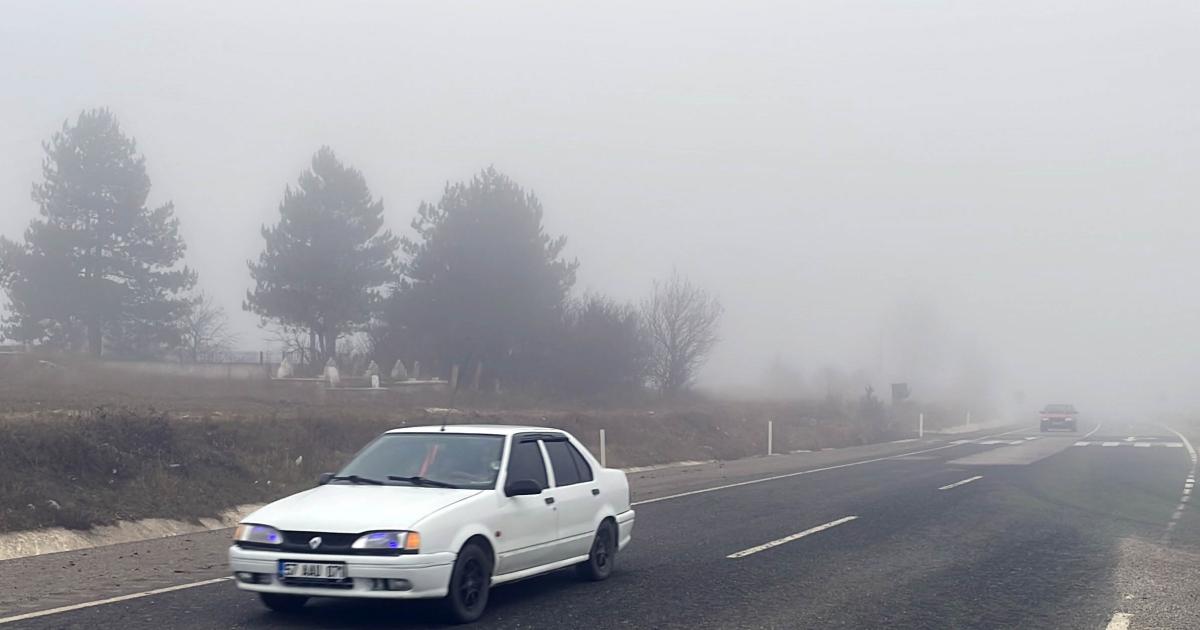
(603, 555)
(1044, 428)
(283, 603)
(469, 584)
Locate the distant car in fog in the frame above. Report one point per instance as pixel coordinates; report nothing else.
(1059, 416)
(438, 512)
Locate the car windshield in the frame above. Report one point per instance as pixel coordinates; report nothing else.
(428, 459)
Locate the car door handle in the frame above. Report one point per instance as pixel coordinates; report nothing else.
(595, 492)
(549, 500)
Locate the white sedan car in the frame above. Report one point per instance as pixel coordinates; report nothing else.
(438, 512)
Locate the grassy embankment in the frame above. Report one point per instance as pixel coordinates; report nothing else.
(81, 447)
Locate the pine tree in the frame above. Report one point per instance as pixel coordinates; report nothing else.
(98, 269)
(482, 281)
(327, 259)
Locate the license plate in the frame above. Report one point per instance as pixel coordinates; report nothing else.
(312, 570)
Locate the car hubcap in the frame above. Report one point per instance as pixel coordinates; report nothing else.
(600, 550)
(472, 583)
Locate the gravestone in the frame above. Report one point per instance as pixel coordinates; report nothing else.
(399, 373)
(331, 373)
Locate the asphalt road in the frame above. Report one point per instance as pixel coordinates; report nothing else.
(1024, 530)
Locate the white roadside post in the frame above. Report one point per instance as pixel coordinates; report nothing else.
(603, 451)
(921, 425)
(770, 436)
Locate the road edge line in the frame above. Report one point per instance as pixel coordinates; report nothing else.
(810, 471)
(110, 600)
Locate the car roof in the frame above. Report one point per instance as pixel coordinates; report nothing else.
(477, 429)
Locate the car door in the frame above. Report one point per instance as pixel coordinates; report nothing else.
(527, 526)
(577, 495)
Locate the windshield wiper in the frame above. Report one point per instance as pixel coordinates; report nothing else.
(421, 481)
(358, 479)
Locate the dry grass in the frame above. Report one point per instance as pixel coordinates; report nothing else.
(81, 447)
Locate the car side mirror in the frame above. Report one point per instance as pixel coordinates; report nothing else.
(522, 487)
(325, 478)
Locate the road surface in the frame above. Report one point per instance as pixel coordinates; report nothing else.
(1023, 530)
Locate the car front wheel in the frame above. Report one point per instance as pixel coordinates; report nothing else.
(469, 583)
(283, 603)
(599, 564)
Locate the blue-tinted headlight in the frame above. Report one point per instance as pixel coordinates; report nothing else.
(257, 534)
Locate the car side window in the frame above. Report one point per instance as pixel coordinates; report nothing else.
(565, 472)
(525, 462)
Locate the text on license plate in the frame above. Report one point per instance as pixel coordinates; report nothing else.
(312, 570)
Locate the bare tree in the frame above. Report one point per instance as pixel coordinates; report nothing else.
(205, 329)
(295, 344)
(681, 322)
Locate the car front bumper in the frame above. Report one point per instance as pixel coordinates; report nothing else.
(427, 575)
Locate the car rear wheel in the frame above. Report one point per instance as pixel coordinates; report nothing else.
(469, 584)
(599, 564)
(283, 603)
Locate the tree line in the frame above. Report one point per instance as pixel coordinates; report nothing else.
(479, 283)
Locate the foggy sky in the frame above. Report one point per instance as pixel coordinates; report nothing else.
(1023, 174)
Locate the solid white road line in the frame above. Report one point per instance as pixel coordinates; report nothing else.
(787, 539)
(804, 472)
(1119, 621)
(1093, 431)
(961, 483)
(111, 600)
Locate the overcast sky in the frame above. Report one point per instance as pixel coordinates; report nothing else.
(1023, 174)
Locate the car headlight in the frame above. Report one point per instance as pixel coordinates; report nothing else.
(257, 534)
(397, 541)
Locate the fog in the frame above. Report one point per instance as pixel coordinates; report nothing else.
(956, 194)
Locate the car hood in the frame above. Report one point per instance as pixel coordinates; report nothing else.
(351, 509)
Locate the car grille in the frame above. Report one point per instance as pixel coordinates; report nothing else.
(298, 542)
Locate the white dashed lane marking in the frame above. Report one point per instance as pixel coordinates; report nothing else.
(961, 483)
(1188, 484)
(1119, 621)
(787, 539)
